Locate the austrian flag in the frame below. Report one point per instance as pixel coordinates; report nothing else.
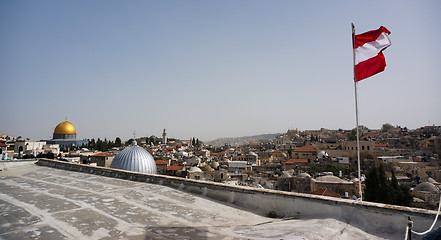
(368, 48)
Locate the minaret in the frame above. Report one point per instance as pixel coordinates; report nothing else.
(164, 137)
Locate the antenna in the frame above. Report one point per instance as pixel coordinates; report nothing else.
(134, 134)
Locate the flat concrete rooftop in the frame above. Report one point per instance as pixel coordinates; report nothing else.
(46, 203)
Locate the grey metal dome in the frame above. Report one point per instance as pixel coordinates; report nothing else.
(426, 187)
(134, 158)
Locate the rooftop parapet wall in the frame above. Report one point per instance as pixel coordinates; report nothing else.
(372, 217)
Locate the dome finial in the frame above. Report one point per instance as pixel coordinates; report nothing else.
(134, 143)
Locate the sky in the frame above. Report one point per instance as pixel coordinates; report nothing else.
(211, 69)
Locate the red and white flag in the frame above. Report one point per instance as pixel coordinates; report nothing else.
(369, 58)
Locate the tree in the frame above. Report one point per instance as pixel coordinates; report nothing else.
(386, 127)
(405, 198)
(333, 169)
(92, 143)
(348, 170)
(118, 142)
(129, 141)
(395, 187)
(99, 144)
(372, 185)
(352, 136)
(313, 169)
(382, 190)
(152, 139)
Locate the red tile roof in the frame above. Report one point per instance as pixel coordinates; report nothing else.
(161, 162)
(276, 151)
(293, 161)
(175, 167)
(306, 148)
(2, 144)
(326, 192)
(103, 154)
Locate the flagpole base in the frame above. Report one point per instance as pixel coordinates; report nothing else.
(357, 200)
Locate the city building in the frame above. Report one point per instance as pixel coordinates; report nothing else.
(306, 152)
(336, 184)
(102, 159)
(161, 166)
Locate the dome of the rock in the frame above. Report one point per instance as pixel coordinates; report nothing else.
(65, 130)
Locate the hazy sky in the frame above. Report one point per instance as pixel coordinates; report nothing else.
(210, 69)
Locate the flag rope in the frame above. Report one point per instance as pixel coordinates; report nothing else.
(434, 221)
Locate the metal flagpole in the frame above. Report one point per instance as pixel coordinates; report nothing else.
(356, 113)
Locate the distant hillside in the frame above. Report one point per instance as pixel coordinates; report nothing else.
(236, 141)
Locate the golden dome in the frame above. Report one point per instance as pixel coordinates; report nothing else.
(65, 128)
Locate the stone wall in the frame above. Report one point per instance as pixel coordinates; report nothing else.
(371, 217)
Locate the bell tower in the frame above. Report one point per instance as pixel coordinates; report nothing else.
(164, 137)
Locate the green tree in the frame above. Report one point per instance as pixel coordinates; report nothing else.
(352, 136)
(348, 170)
(152, 139)
(92, 143)
(400, 192)
(118, 142)
(395, 189)
(386, 127)
(333, 169)
(313, 169)
(382, 190)
(372, 185)
(405, 198)
(129, 142)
